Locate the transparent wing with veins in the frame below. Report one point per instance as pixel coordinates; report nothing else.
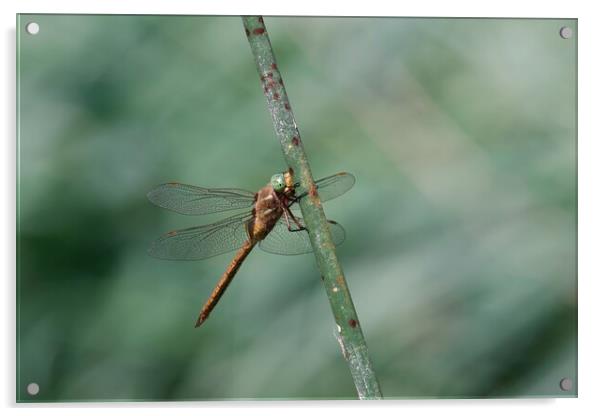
(333, 186)
(282, 241)
(194, 200)
(202, 242)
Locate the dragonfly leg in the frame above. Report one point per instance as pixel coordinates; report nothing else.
(300, 227)
(288, 223)
(295, 199)
(288, 215)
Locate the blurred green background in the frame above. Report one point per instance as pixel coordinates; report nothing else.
(461, 228)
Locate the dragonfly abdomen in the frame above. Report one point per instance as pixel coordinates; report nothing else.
(224, 281)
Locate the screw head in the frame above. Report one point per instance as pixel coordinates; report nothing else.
(32, 28)
(33, 389)
(566, 32)
(566, 384)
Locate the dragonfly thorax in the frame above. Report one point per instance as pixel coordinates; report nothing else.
(266, 212)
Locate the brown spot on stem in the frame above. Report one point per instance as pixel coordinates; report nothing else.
(247, 32)
(295, 141)
(287, 107)
(274, 66)
(313, 192)
(352, 323)
(270, 75)
(276, 96)
(260, 19)
(258, 31)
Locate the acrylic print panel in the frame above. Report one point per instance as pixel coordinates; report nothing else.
(460, 248)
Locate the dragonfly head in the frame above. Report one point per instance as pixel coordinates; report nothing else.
(278, 183)
(284, 183)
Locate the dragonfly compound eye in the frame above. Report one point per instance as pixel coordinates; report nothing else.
(278, 182)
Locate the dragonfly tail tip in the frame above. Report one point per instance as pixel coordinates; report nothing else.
(200, 321)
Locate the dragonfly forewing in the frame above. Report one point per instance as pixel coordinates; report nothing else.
(194, 200)
(202, 242)
(335, 185)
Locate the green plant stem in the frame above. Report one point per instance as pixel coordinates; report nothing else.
(349, 332)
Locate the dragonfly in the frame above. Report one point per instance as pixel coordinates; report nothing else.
(264, 218)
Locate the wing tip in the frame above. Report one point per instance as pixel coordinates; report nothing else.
(350, 175)
(152, 252)
(158, 188)
(342, 232)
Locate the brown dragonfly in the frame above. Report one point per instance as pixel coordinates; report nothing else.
(267, 220)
